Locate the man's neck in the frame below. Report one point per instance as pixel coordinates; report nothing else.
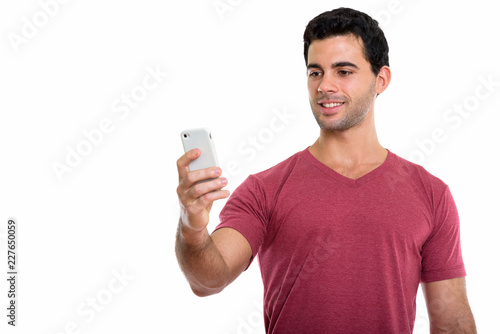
(352, 153)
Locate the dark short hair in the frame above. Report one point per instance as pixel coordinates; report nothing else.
(345, 21)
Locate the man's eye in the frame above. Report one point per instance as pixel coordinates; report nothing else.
(344, 73)
(314, 74)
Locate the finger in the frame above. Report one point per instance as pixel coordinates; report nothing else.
(207, 199)
(196, 210)
(201, 189)
(199, 175)
(189, 194)
(184, 161)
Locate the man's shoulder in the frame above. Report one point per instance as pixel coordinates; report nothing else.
(264, 187)
(418, 174)
(272, 179)
(280, 170)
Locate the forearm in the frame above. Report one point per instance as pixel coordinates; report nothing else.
(465, 325)
(200, 261)
(448, 307)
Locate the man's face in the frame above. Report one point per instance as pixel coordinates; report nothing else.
(340, 81)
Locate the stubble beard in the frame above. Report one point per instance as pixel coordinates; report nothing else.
(352, 114)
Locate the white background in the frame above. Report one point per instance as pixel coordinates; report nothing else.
(230, 69)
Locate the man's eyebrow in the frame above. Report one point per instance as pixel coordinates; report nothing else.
(334, 65)
(314, 65)
(344, 64)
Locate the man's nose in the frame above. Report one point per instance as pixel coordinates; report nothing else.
(328, 84)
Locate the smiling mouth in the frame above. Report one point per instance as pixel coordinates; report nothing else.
(332, 105)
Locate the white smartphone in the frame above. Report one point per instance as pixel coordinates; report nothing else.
(202, 139)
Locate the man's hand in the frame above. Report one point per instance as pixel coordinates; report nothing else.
(209, 262)
(196, 198)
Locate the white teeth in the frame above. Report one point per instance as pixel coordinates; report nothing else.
(331, 105)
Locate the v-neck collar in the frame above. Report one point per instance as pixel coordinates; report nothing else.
(387, 164)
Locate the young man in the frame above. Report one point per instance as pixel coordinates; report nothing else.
(345, 230)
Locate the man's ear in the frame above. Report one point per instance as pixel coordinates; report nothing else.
(383, 79)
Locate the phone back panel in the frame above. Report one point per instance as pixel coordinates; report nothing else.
(202, 139)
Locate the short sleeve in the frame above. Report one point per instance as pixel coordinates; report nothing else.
(441, 253)
(245, 212)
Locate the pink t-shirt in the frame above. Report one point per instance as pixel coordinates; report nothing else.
(346, 256)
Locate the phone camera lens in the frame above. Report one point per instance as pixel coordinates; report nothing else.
(186, 135)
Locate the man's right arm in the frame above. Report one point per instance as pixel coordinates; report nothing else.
(209, 262)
